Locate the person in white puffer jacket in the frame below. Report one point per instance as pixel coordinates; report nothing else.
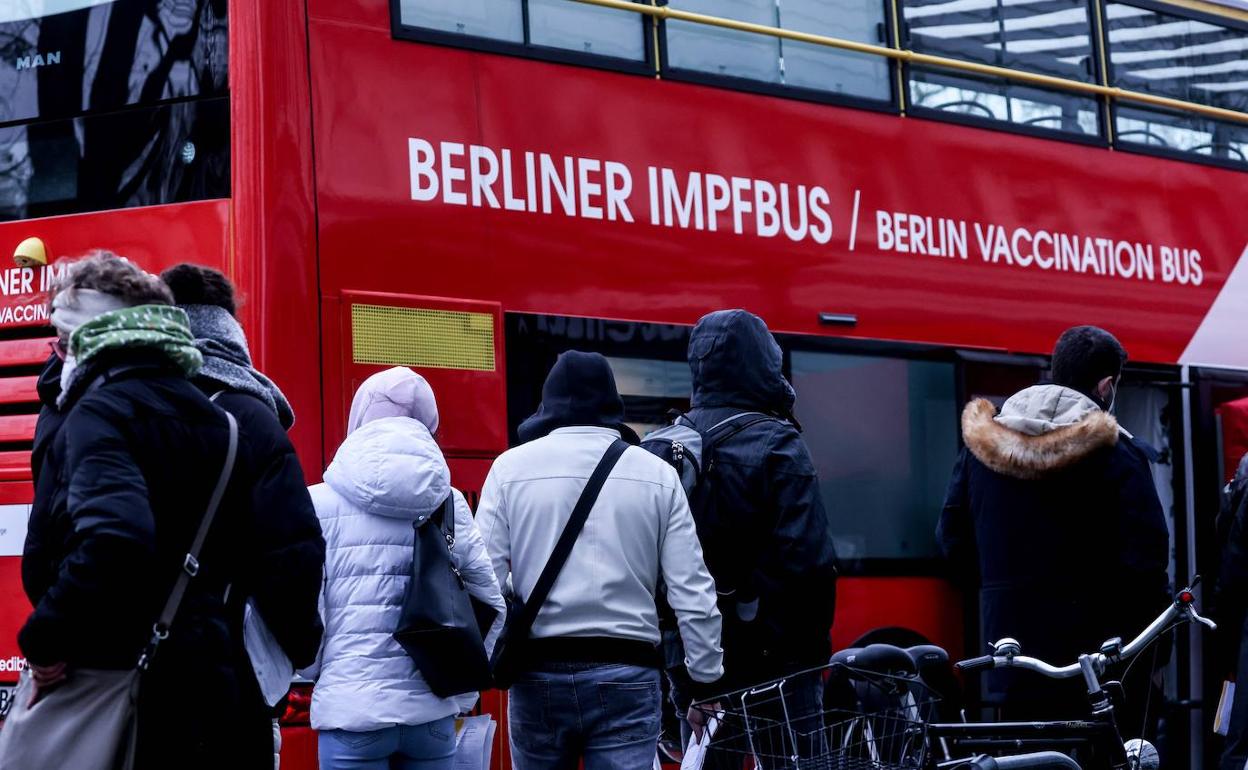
(370, 706)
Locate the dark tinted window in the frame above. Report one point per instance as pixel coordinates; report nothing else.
(722, 52)
(883, 433)
(551, 24)
(108, 55)
(164, 154)
(109, 104)
(1189, 59)
(1048, 37)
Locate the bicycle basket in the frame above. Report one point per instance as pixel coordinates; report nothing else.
(776, 726)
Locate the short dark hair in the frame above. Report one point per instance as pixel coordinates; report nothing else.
(109, 273)
(199, 285)
(1085, 355)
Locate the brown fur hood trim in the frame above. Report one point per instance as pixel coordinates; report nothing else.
(1012, 453)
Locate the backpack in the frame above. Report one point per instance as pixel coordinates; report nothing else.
(692, 452)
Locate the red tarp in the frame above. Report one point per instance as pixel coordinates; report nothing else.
(1234, 433)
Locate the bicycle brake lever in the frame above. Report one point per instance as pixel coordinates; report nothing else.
(1202, 620)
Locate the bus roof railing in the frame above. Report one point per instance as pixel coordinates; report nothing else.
(668, 12)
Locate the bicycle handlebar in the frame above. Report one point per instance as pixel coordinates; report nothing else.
(1006, 652)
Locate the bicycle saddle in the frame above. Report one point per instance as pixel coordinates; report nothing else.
(884, 659)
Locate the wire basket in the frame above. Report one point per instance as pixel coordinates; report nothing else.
(778, 726)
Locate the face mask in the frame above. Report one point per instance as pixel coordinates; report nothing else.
(67, 370)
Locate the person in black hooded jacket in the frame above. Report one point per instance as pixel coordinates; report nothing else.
(128, 452)
(287, 550)
(1233, 611)
(765, 533)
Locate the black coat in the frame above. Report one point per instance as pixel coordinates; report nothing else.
(121, 485)
(764, 532)
(1066, 537)
(1233, 575)
(286, 552)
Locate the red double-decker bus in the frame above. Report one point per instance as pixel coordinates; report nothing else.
(917, 195)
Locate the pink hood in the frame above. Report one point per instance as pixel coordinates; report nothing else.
(396, 392)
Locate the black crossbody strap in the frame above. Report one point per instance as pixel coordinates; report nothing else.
(580, 513)
(190, 565)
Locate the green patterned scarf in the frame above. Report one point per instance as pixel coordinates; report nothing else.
(162, 328)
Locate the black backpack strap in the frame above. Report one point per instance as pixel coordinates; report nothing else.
(727, 428)
(558, 557)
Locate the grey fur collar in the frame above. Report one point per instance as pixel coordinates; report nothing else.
(1014, 453)
(227, 361)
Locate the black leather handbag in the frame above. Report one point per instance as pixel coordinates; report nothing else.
(441, 626)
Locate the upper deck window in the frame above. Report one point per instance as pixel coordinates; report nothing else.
(554, 25)
(80, 56)
(1194, 60)
(112, 103)
(697, 48)
(1129, 44)
(1048, 37)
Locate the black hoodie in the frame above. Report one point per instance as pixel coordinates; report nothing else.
(764, 531)
(579, 391)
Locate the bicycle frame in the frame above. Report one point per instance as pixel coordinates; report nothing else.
(1101, 733)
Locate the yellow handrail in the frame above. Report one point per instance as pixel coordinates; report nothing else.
(667, 12)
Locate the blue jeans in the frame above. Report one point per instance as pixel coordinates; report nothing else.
(607, 715)
(430, 746)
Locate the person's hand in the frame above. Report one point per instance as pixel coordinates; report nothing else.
(698, 716)
(47, 678)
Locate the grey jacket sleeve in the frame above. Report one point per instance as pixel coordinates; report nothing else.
(473, 561)
(691, 591)
(492, 524)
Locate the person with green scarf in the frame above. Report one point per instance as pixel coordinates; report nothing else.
(128, 450)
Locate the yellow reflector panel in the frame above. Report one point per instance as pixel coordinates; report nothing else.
(407, 336)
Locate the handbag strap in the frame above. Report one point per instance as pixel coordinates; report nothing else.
(563, 548)
(190, 564)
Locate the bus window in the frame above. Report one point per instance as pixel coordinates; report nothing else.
(719, 52)
(651, 371)
(585, 28)
(111, 104)
(602, 33)
(883, 433)
(1049, 38)
(78, 56)
(475, 18)
(1185, 59)
(139, 157)
(651, 389)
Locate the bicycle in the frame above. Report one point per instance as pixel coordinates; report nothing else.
(893, 720)
(1100, 730)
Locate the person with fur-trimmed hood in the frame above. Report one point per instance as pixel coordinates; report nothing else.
(1052, 507)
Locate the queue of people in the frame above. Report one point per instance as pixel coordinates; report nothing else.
(620, 570)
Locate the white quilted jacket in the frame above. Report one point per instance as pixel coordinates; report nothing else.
(388, 474)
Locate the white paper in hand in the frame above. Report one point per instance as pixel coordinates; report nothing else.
(273, 668)
(1222, 718)
(474, 742)
(695, 755)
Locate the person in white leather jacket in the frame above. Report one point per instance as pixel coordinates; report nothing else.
(371, 706)
(590, 682)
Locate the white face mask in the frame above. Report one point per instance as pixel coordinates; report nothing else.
(67, 369)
